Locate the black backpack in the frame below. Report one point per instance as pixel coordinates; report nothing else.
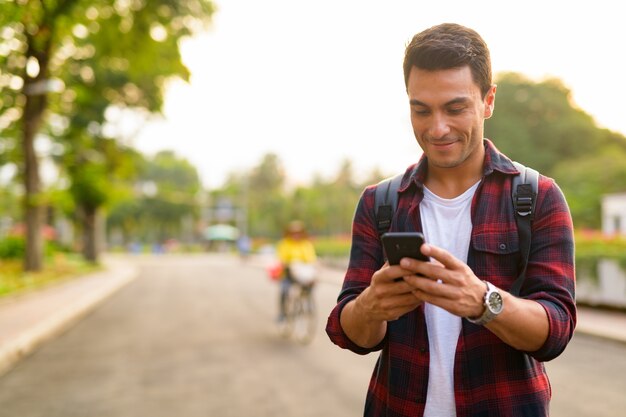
(523, 193)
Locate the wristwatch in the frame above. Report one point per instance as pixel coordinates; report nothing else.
(493, 305)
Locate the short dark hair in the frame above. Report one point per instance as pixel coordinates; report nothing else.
(447, 46)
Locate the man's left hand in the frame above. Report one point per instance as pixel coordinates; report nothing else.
(446, 282)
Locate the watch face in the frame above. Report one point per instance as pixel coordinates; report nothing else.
(495, 302)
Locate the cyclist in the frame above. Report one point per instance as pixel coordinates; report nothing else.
(297, 256)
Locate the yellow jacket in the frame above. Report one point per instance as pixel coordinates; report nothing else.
(292, 250)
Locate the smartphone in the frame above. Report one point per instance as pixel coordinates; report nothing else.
(398, 245)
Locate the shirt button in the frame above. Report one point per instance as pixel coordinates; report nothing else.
(502, 246)
(423, 349)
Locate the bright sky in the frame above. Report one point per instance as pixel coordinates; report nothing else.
(317, 82)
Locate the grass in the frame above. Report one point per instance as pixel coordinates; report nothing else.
(57, 268)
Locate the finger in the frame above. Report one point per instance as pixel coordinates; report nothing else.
(441, 302)
(394, 273)
(433, 270)
(383, 275)
(443, 256)
(389, 293)
(430, 288)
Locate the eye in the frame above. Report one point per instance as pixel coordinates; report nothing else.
(456, 110)
(421, 112)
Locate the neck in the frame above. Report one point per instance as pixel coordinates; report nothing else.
(452, 182)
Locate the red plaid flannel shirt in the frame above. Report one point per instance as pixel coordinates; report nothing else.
(490, 377)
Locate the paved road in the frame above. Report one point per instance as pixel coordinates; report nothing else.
(195, 336)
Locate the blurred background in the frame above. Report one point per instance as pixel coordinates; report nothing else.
(192, 126)
(137, 126)
(129, 125)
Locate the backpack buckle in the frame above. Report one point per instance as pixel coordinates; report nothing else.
(524, 200)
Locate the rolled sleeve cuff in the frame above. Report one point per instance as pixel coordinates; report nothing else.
(561, 330)
(338, 336)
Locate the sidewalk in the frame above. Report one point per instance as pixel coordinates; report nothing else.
(29, 320)
(602, 323)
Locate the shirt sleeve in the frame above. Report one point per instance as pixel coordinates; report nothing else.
(365, 258)
(551, 274)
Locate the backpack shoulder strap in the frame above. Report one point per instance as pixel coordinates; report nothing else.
(386, 202)
(524, 190)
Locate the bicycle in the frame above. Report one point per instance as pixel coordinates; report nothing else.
(300, 314)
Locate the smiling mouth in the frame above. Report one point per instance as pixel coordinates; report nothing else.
(442, 144)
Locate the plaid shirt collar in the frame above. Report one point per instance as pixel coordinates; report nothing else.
(494, 161)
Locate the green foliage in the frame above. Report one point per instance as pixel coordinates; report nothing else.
(266, 202)
(89, 186)
(12, 248)
(591, 247)
(9, 202)
(326, 207)
(533, 116)
(539, 125)
(588, 178)
(66, 63)
(332, 247)
(165, 195)
(172, 174)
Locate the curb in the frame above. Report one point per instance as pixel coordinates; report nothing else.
(40, 316)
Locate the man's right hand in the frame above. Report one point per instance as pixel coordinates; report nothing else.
(364, 319)
(388, 297)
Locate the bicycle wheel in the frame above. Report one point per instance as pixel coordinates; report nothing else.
(304, 319)
(291, 311)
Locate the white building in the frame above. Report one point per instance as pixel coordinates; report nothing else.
(614, 214)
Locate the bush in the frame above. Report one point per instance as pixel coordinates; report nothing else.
(12, 248)
(592, 246)
(333, 247)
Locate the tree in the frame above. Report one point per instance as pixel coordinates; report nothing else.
(326, 206)
(340, 196)
(539, 125)
(586, 180)
(63, 52)
(266, 202)
(99, 172)
(166, 191)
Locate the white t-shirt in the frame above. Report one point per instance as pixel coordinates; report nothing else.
(446, 223)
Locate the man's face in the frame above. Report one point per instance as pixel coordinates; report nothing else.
(447, 114)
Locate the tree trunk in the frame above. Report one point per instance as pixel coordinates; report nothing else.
(36, 100)
(33, 209)
(90, 234)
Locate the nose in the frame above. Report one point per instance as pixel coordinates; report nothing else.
(439, 127)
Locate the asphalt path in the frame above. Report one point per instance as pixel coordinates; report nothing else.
(195, 336)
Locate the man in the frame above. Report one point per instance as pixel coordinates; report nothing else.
(445, 351)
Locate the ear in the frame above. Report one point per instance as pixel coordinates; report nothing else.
(490, 101)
